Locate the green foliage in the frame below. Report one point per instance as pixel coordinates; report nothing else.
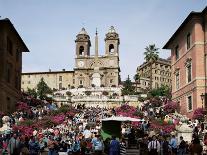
(27, 122)
(88, 93)
(128, 88)
(43, 89)
(164, 90)
(68, 93)
(31, 92)
(151, 53)
(137, 77)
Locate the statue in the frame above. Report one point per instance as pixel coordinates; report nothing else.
(6, 124)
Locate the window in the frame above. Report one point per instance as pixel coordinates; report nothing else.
(60, 85)
(111, 48)
(60, 78)
(176, 53)
(28, 76)
(156, 85)
(81, 51)
(9, 46)
(190, 105)
(177, 81)
(17, 55)
(9, 72)
(73, 81)
(189, 72)
(22, 82)
(16, 81)
(29, 82)
(188, 41)
(111, 80)
(8, 103)
(81, 82)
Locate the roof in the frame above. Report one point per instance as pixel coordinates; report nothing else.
(49, 72)
(189, 17)
(8, 22)
(121, 119)
(83, 31)
(160, 60)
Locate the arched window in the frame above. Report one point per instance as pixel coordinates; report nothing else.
(111, 48)
(81, 50)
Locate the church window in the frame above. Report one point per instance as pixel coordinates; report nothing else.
(60, 85)
(81, 50)
(60, 78)
(81, 82)
(111, 48)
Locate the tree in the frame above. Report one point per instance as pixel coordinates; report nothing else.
(151, 55)
(31, 92)
(128, 88)
(163, 90)
(137, 79)
(43, 89)
(68, 93)
(88, 93)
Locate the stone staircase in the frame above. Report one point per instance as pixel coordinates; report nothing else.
(132, 151)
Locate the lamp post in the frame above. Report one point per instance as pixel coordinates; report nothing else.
(202, 98)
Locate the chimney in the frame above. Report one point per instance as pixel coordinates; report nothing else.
(63, 70)
(49, 70)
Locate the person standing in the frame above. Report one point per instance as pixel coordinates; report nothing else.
(98, 146)
(165, 146)
(13, 146)
(173, 144)
(182, 146)
(195, 147)
(114, 146)
(51, 146)
(34, 147)
(154, 146)
(122, 147)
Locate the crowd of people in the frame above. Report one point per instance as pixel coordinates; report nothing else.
(81, 135)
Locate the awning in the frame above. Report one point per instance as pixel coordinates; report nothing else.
(122, 119)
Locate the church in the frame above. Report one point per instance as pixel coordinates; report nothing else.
(89, 71)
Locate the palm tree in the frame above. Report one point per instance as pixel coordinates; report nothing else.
(151, 55)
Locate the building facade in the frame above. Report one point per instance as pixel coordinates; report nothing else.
(56, 80)
(90, 70)
(188, 47)
(161, 73)
(11, 48)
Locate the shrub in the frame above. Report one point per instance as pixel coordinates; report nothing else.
(199, 114)
(105, 93)
(170, 107)
(88, 93)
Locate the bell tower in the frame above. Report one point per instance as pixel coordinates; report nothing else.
(83, 44)
(112, 42)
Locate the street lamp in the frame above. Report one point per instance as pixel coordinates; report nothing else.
(202, 98)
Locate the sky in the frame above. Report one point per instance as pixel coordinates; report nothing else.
(49, 28)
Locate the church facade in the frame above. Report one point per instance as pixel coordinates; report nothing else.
(89, 71)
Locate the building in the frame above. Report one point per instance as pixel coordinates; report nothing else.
(90, 70)
(11, 48)
(56, 80)
(188, 47)
(161, 73)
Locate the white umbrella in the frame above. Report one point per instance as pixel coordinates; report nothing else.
(121, 119)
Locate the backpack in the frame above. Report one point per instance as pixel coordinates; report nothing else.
(98, 146)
